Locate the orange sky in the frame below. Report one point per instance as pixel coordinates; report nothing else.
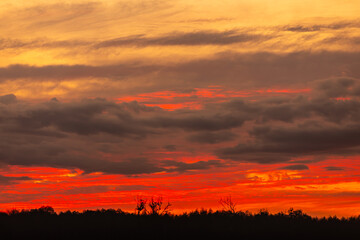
(103, 101)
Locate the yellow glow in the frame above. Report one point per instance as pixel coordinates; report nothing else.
(329, 187)
(273, 176)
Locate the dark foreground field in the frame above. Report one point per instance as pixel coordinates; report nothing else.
(44, 223)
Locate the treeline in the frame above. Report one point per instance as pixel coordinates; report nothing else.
(45, 223)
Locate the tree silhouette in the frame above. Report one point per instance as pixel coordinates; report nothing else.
(156, 206)
(140, 205)
(45, 223)
(228, 204)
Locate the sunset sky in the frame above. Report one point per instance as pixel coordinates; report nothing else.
(104, 101)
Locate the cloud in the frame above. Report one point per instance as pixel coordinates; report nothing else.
(49, 134)
(318, 27)
(4, 180)
(98, 135)
(133, 166)
(8, 99)
(185, 39)
(323, 123)
(281, 144)
(56, 14)
(72, 14)
(208, 20)
(212, 137)
(342, 40)
(174, 166)
(84, 118)
(95, 116)
(255, 70)
(71, 135)
(74, 157)
(204, 37)
(63, 72)
(197, 122)
(170, 148)
(332, 168)
(230, 70)
(300, 28)
(13, 44)
(334, 100)
(296, 167)
(78, 17)
(338, 87)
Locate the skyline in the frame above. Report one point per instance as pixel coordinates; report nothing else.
(102, 102)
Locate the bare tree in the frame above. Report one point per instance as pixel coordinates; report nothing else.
(157, 208)
(228, 204)
(140, 205)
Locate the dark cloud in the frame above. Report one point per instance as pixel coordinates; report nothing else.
(95, 116)
(14, 43)
(273, 109)
(272, 129)
(319, 27)
(208, 37)
(212, 137)
(296, 167)
(45, 43)
(256, 70)
(84, 118)
(334, 100)
(8, 99)
(332, 168)
(245, 71)
(62, 72)
(213, 122)
(170, 148)
(323, 123)
(170, 39)
(185, 39)
(74, 157)
(64, 135)
(49, 134)
(207, 20)
(4, 180)
(174, 166)
(196, 38)
(340, 39)
(300, 28)
(132, 166)
(338, 87)
(278, 144)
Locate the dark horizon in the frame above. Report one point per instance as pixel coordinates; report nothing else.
(45, 223)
